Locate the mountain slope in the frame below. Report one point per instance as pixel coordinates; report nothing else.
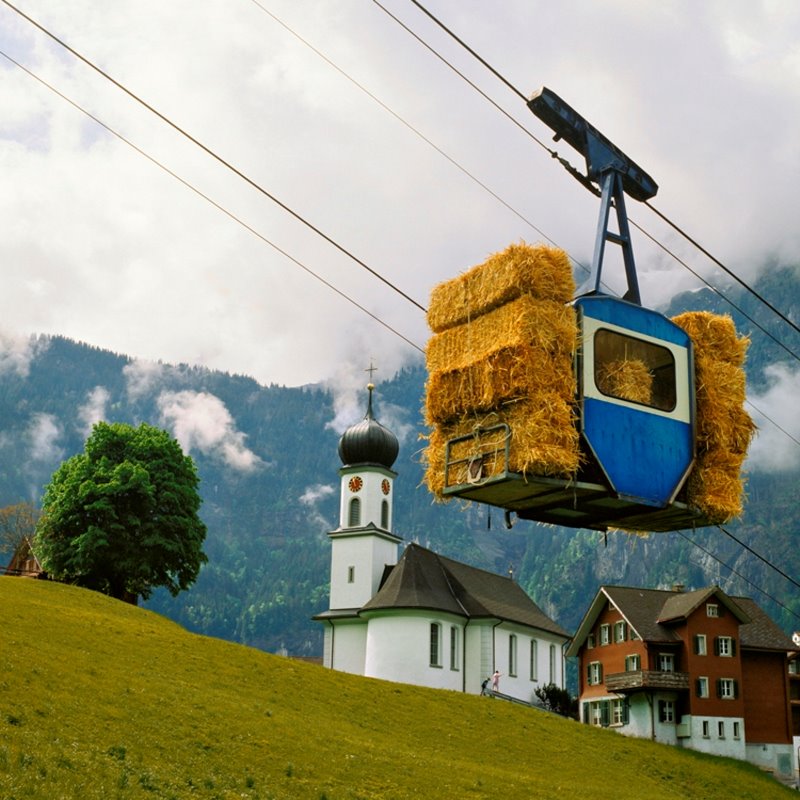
(103, 700)
(267, 460)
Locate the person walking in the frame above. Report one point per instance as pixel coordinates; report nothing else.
(496, 681)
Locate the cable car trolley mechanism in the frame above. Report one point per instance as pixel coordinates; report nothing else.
(633, 378)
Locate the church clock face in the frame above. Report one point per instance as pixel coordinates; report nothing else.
(385, 486)
(355, 483)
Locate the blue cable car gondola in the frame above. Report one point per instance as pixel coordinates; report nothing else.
(638, 448)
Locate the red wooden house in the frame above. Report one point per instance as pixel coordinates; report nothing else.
(696, 669)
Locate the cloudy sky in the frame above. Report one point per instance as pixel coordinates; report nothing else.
(343, 116)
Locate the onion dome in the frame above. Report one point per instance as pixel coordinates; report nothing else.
(368, 442)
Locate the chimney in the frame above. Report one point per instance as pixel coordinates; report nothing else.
(678, 587)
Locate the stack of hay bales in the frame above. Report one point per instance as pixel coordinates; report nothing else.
(724, 428)
(502, 353)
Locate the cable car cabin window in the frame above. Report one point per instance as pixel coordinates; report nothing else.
(634, 370)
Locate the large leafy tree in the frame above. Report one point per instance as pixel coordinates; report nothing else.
(122, 517)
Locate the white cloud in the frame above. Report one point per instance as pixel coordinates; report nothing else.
(201, 421)
(94, 409)
(17, 352)
(773, 450)
(142, 377)
(101, 245)
(313, 494)
(44, 433)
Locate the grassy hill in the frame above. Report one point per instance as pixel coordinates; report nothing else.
(99, 699)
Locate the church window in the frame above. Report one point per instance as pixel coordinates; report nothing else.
(436, 644)
(354, 517)
(453, 647)
(385, 515)
(552, 663)
(512, 655)
(534, 660)
(351, 574)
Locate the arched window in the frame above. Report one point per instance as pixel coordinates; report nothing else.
(436, 644)
(512, 655)
(385, 515)
(354, 516)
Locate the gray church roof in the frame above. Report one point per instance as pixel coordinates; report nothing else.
(424, 580)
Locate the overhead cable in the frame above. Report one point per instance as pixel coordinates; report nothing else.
(208, 199)
(516, 91)
(215, 155)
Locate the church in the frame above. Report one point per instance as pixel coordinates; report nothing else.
(421, 618)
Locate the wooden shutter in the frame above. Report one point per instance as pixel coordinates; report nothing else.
(626, 711)
(733, 646)
(719, 687)
(661, 714)
(735, 689)
(698, 687)
(716, 645)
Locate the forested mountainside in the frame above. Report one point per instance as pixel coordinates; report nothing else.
(267, 459)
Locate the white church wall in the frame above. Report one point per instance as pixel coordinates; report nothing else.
(399, 649)
(348, 646)
(357, 563)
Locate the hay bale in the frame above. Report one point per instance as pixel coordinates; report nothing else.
(545, 324)
(716, 487)
(714, 335)
(542, 272)
(627, 379)
(511, 373)
(723, 428)
(542, 440)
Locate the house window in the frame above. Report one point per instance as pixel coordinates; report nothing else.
(436, 644)
(597, 713)
(633, 663)
(632, 635)
(712, 610)
(512, 655)
(666, 662)
(354, 515)
(619, 712)
(736, 730)
(700, 648)
(552, 663)
(725, 646)
(590, 641)
(706, 733)
(619, 631)
(726, 688)
(385, 515)
(605, 634)
(721, 729)
(594, 673)
(534, 660)
(351, 574)
(453, 647)
(702, 687)
(666, 711)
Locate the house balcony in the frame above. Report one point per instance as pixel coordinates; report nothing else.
(647, 679)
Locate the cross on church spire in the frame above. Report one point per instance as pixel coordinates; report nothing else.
(371, 369)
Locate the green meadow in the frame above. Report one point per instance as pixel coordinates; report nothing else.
(99, 699)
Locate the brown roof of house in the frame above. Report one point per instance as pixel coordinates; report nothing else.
(761, 633)
(653, 612)
(423, 579)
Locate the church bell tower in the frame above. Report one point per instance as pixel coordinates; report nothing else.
(364, 543)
